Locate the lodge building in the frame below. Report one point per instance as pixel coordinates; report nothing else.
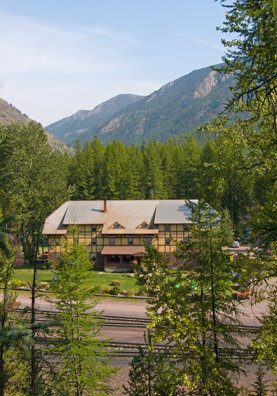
(114, 231)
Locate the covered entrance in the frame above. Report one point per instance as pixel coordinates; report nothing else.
(121, 257)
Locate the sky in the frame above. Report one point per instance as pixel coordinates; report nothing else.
(61, 56)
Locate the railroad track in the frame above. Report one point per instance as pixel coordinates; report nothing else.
(108, 321)
(120, 321)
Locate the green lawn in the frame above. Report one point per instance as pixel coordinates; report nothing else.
(103, 279)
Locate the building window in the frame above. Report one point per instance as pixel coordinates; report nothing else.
(58, 241)
(186, 228)
(167, 257)
(58, 256)
(149, 240)
(93, 257)
(167, 227)
(93, 241)
(126, 259)
(94, 227)
(114, 259)
(130, 241)
(186, 240)
(167, 241)
(112, 241)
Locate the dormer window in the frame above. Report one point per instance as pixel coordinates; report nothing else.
(144, 225)
(116, 225)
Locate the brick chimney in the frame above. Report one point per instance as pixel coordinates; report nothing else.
(105, 204)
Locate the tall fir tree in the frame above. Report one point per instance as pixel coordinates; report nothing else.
(81, 357)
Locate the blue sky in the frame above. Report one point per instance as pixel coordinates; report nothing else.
(61, 56)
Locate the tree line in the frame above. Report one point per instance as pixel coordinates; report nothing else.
(235, 172)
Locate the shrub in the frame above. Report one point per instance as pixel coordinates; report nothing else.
(43, 285)
(96, 289)
(130, 292)
(116, 283)
(50, 264)
(115, 291)
(107, 289)
(16, 283)
(141, 292)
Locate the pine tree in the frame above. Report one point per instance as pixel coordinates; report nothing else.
(260, 386)
(152, 373)
(82, 362)
(195, 313)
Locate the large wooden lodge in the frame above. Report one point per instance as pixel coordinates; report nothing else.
(114, 231)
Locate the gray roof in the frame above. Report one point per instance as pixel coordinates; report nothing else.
(85, 212)
(54, 223)
(129, 214)
(173, 212)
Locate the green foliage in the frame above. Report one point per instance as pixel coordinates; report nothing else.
(32, 180)
(260, 385)
(226, 228)
(115, 291)
(192, 321)
(153, 374)
(130, 292)
(15, 283)
(83, 363)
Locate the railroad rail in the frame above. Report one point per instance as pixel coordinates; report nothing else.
(120, 321)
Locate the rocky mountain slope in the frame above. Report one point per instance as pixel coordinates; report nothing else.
(69, 128)
(9, 114)
(176, 108)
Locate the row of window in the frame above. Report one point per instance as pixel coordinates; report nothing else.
(143, 225)
(130, 241)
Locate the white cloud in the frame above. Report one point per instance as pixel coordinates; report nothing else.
(30, 46)
(200, 41)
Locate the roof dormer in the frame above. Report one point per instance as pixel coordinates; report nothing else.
(144, 225)
(116, 225)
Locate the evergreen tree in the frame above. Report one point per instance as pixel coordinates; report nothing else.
(226, 229)
(31, 179)
(81, 359)
(196, 313)
(152, 374)
(260, 385)
(153, 178)
(189, 174)
(98, 153)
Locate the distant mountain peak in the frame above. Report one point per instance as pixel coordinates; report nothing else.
(71, 127)
(177, 107)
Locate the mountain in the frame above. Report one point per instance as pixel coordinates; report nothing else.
(69, 128)
(177, 107)
(9, 114)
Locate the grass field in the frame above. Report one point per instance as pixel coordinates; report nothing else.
(102, 279)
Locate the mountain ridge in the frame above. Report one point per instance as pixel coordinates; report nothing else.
(85, 119)
(10, 114)
(178, 107)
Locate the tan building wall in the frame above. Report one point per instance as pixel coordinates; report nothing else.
(94, 240)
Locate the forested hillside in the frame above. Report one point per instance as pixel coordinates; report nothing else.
(68, 129)
(176, 108)
(179, 106)
(10, 114)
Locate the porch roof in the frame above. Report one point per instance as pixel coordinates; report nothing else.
(122, 250)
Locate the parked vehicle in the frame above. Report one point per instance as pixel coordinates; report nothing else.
(243, 293)
(236, 244)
